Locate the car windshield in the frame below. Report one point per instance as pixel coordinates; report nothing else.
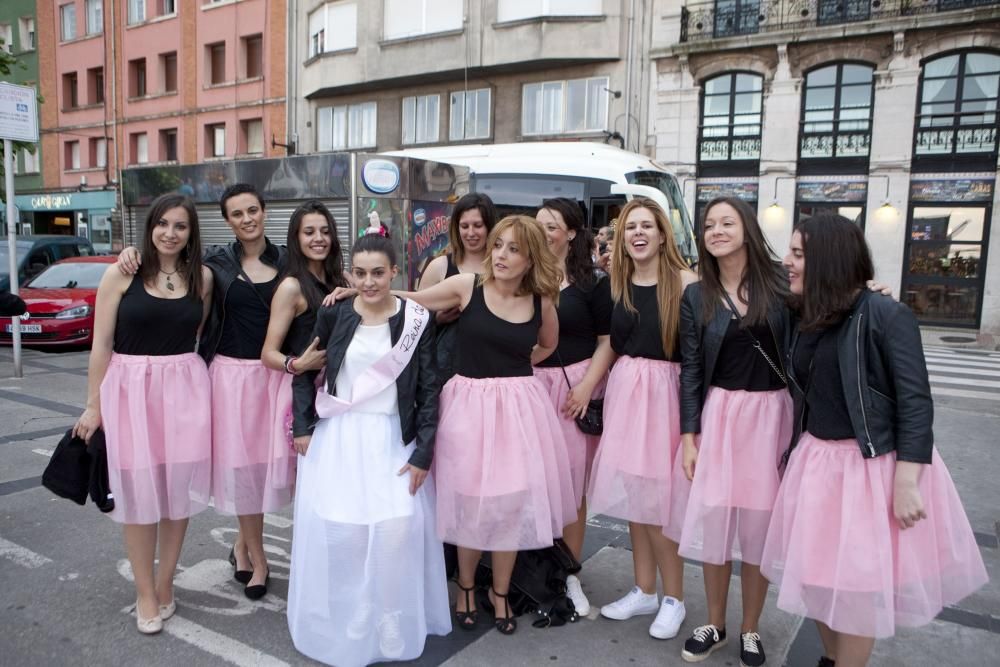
(22, 251)
(71, 274)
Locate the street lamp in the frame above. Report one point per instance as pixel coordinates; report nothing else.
(886, 213)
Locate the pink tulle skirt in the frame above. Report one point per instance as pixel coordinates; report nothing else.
(501, 466)
(838, 555)
(253, 468)
(581, 447)
(637, 474)
(158, 429)
(743, 435)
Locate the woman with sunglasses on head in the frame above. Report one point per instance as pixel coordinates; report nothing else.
(736, 416)
(577, 371)
(867, 532)
(151, 393)
(637, 472)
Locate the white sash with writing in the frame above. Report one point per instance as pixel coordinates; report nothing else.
(383, 372)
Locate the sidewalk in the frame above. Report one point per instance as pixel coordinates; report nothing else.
(67, 592)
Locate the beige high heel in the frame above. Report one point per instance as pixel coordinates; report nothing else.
(147, 626)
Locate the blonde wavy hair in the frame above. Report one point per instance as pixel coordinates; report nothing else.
(544, 276)
(668, 274)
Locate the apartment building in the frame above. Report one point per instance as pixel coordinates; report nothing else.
(135, 82)
(884, 111)
(390, 74)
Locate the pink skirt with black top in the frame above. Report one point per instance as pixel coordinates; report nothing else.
(253, 468)
(839, 556)
(157, 420)
(637, 473)
(581, 447)
(743, 435)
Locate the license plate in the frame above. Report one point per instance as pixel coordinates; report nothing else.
(25, 328)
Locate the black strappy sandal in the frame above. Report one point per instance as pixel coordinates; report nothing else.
(506, 624)
(467, 620)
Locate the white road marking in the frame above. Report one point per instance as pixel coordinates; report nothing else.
(277, 521)
(213, 643)
(961, 363)
(43, 452)
(962, 393)
(992, 373)
(940, 379)
(22, 555)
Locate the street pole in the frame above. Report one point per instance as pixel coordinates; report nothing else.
(15, 322)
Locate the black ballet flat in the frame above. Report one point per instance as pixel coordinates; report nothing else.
(505, 624)
(467, 620)
(242, 576)
(257, 591)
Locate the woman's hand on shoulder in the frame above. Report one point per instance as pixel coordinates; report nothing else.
(876, 286)
(339, 294)
(129, 261)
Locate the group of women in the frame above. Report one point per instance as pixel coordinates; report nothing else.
(450, 414)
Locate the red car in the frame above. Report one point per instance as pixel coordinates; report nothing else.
(60, 303)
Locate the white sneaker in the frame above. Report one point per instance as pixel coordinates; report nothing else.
(390, 639)
(360, 623)
(668, 619)
(575, 593)
(635, 603)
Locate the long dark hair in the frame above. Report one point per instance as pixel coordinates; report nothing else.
(763, 282)
(838, 264)
(189, 263)
(579, 261)
(487, 210)
(298, 263)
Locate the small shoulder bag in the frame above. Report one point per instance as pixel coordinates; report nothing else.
(592, 421)
(756, 343)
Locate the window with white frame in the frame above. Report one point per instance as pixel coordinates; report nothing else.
(421, 119)
(27, 25)
(67, 21)
(140, 148)
(253, 136)
(346, 127)
(30, 161)
(136, 11)
(333, 27)
(72, 155)
(408, 18)
(95, 16)
(470, 115)
(517, 10)
(100, 152)
(7, 37)
(215, 140)
(558, 107)
(168, 7)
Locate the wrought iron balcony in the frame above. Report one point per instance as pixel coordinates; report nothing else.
(731, 18)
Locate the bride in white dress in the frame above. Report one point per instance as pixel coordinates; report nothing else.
(367, 577)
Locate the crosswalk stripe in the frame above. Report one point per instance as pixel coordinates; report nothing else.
(963, 370)
(962, 373)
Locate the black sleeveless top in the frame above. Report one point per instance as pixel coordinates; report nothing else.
(452, 269)
(638, 334)
(245, 325)
(584, 314)
(817, 365)
(740, 366)
(447, 334)
(488, 346)
(150, 326)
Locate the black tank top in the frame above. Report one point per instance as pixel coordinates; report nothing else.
(452, 269)
(489, 346)
(741, 366)
(638, 334)
(151, 326)
(246, 314)
(447, 334)
(300, 331)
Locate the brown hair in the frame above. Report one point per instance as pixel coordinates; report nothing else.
(668, 273)
(544, 276)
(470, 202)
(763, 282)
(189, 263)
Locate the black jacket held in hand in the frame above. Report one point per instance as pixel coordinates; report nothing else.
(417, 388)
(700, 345)
(224, 262)
(885, 380)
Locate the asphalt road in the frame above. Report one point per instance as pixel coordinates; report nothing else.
(66, 596)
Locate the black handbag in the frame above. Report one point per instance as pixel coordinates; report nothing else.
(592, 421)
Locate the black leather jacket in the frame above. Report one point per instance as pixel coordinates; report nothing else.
(700, 345)
(417, 387)
(884, 377)
(224, 261)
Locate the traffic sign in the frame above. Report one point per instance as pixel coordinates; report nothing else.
(18, 113)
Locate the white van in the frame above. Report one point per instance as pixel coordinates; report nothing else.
(518, 177)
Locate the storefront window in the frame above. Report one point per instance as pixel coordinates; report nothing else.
(943, 268)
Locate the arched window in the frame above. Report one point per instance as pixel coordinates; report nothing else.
(957, 118)
(836, 119)
(729, 135)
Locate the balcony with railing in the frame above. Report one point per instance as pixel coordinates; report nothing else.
(734, 18)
